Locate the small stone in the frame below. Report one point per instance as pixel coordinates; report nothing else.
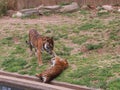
(103, 11)
(85, 7)
(119, 10)
(107, 7)
(10, 12)
(18, 14)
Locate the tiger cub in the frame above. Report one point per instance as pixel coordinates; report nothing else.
(57, 67)
(40, 43)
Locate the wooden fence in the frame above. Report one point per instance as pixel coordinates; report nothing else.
(20, 4)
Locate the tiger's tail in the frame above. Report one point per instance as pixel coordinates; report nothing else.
(39, 76)
(27, 42)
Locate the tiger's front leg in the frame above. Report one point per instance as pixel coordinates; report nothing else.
(31, 50)
(39, 57)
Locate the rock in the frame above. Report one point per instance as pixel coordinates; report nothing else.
(119, 10)
(10, 12)
(84, 7)
(99, 8)
(107, 7)
(69, 8)
(18, 14)
(103, 11)
(55, 7)
(40, 10)
(26, 12)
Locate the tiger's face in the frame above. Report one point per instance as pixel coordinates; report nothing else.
(49, 45)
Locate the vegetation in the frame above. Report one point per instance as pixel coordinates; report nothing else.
(3, 7)
(96, 65)
(94, 46)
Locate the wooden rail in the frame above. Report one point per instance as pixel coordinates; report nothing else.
(32, 83)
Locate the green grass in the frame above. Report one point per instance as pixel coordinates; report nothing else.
(94, 46)
(7, 41)
(96, 67)
(114, 35)
(3, 7)
(95, 24)
(103, 14)
(78, 40)
(13, 64)
(114, 85)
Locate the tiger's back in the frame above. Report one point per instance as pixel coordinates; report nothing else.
(33, 37)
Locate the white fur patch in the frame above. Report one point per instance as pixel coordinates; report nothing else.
(31, 44)
(45, 46)
(44, 79)
(53, 63)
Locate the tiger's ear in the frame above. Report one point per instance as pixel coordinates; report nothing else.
(44, 39)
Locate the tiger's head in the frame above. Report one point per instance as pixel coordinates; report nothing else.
(59, 61)
(48, 45)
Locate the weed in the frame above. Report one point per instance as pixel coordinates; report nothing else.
(86, 26)
(3, 7)
(79, 40)
(94, 46)
(100, 14)
(93, 25)
(114, 35)
(84, 12)
(7, 41)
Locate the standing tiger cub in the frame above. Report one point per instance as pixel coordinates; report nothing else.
(40, 43)
(57, 67)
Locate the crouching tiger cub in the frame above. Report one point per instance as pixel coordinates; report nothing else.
(57, 66)
(40, 43)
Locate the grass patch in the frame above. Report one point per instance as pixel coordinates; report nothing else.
(79, 40)
(94, 46)
(3, 7)
(84, 12)
(86, 26)
(95, 24)
(13, 64)
(62, 50)
(7, 41)
(100, 14)
(114, 85)
(64, 3)
(114, 35)
(18, 50)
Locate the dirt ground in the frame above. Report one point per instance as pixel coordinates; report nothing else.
(53, 19)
